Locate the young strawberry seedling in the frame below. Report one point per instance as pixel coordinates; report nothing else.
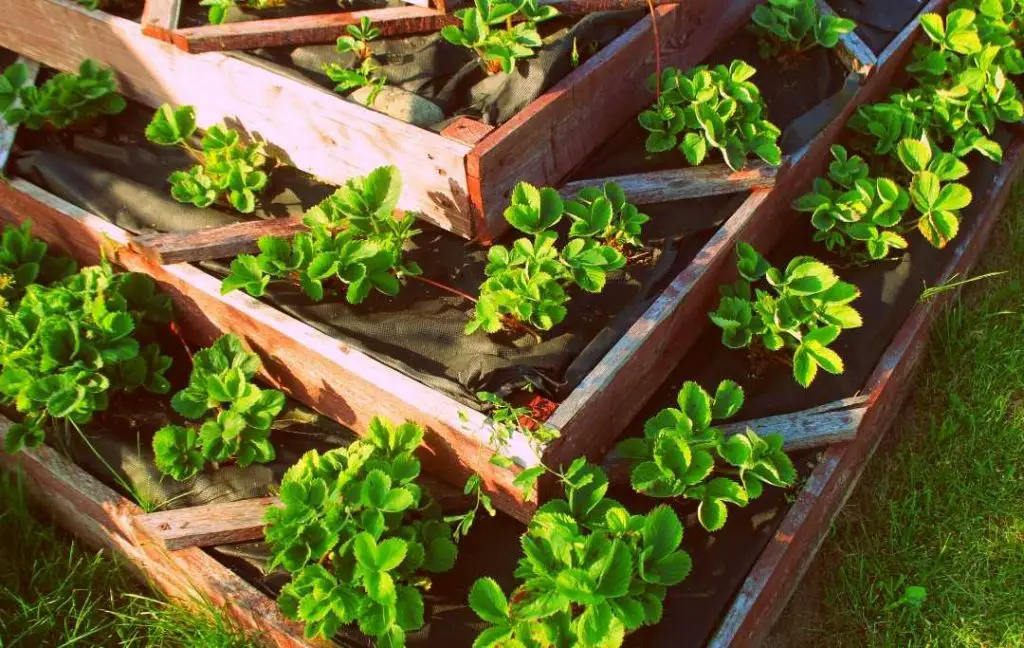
(803, 310)
(795, 26)
(229, 171)
(236, 414)
(712, 108)
(367, 72)
(63, 101)
(499, 49)
(681, 452)
(218, 9)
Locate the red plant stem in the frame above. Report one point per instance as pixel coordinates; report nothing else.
(440, 285)
(657, 50)
(181, 338)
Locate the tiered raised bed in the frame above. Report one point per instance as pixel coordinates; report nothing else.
(542, 144)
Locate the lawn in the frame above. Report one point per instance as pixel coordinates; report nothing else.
(940, 507)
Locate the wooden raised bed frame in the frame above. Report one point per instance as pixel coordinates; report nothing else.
(352, 387)
(104, 519)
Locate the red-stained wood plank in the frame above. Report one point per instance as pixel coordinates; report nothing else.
(466, 130)
(779, 569)
(551, 136)
(160, 17)
(215, 242)
(101, 518)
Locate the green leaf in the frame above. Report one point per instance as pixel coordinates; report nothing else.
(488, 601)
(662, 532)
(728, 400)
(696, 404)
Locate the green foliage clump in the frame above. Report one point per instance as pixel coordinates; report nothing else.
(507, 421)
(796, 26)
(228, 171)
(236, 414)
(526, 283)
(24, 261)
(359, 536)
(356, 237)
(499, 49)
(602, 213)
(706, 109)
(367, 73)
(936, 198)
(681, 450)
(64, 100)
(590, 573)
(803, 310)
(68, 347)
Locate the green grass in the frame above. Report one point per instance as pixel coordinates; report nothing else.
(54, 593)
(941, 505)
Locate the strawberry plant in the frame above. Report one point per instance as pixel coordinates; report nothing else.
(507, 420)
(63, 101)
(802, 310)
(356, 238)
(499, 49)
(1001, 23)
(218, 9)
(24, 261)
(233, 416)
(590, 572)
(228, 171)
(602, 213)
(706, 109)
(359, 537)
(796, 26)
(366, 74)
(934, 196)
(357, 38)
(526, 284)
(67, 348)
(853, 214)
(683, 455)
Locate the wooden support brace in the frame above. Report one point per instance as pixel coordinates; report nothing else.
(9, 132)
(466, 130)
(160, 18)
(852, 50)
(687, 182)
(214, 242)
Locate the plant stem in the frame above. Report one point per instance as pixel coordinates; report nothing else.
(657, 50)
(442, 286)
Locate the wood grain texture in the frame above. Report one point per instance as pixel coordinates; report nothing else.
(778, 571)
(213, 243)
(551, 136)
(330, 376)
(466, 130)
(686, 182)
(304, 125)
(102, 518)
(306, 30)
(9, 132)
(206, 526)
(855, 54)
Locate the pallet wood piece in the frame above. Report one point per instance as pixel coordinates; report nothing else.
(685, 182)
(466, 130)
(101, 518)
(306, 30)
(778, 572)
(214, 242)
(306, 126)
(591, 417)
(852, 50)
(160, 17)
(9, 132)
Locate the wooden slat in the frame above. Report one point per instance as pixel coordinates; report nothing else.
(334, 378)
(773, 579)
(307, 126)
(591, 417)
(215, 242)
(852, 50)
(808, 429)
(306, 30)
(552, 135)
(159, 17)
(687, 182)
(101, 518)
(9, 132)
(467, 130)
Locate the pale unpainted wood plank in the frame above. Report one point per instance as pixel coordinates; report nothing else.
(8, 132)
(214, 243)
(332, 377)
(855, 54)
(305, 125)
(682, 183)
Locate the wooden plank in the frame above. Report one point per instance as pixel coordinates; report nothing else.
(544, 142)
(306, 126)
(807, 429)
(780, 568)
(466, 130)
(330, 376)
(214, 242)
(9, 132)
(101, 518)
(686, 182)
(306, 30)
(206, 526)
(591, 417)
(159, 17)
(852, 50)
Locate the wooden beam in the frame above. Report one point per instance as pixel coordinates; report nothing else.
(466, 130)
(686, 182)
(550, 137)
(304, 125)
(9, 132)
(160, 17)
(851, 50)
(215, 242)
(778, 571)
(306, 30)
(206, 526)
